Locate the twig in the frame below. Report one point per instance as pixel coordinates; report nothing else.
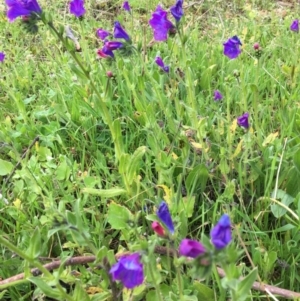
(81, 260)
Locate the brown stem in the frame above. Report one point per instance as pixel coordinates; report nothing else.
(261, 287)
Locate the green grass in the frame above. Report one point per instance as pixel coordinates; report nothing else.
(161, 137)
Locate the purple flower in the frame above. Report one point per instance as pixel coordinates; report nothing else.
(221, 232)
(126, 6)
(160, 24)
(243, 120)
(2, 56)
(18, 8)
(232, 47)
(191, 248)
(120, 33)
(217, 95)
(163, 214)
(77, 8)
(161, 64)
(128, 270)
(102, 33)
(295, 25)
(176, 10)
(113, 45)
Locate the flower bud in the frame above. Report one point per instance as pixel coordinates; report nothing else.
(109, 74)
(256, 46)
(158, 229)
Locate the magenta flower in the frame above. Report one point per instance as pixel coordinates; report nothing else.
(102, 33)
(221, 233)
(164, 215)
(120, 33)
(77, 8)
(295, 26)
(128, 270)
(217, 95)
(2, 56)
(126, 6)
(176, 10)
(232, 47)
(158, 228)
(18, 8)
(113, 45)
(161, 64)
(191, 248)
(160, 24)
(243, 120)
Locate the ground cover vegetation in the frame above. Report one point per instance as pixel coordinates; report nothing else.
(149, 151)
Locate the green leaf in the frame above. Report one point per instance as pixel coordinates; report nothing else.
(245, 285)
(204, 292)
(5, 167)
(34, 249)
(118, 216)
(286, 200)
(197, 179)
(296, 160)
(105, 193)
(49, 291)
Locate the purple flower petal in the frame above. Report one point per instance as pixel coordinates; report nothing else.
(128, 270)
(191, 248)
(126, 6)
(18, 8)
(221, 233)
(217, 95)
(77, 8)
(177, 10)
(163, 214)
(243, 120)
(120, 33)
(2, 56)
(295, 26)
(161, 64)
(102, 33)
(160, 24)
(232, 47)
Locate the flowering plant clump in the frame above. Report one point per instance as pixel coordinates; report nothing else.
(160, 24)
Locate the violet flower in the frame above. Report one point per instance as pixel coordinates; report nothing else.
(18, 8)
(102, 33)
(2, 56)
(295, 26)
(128, 270)
(163, 214)
(120, 32)
(243, 120)
(221, 233)
(177, 10)
(161, 64)
(232, 47)
(217, 95)
(126, 6)
(77, 8)
(191, 248)
(160, 24)
(113, 45)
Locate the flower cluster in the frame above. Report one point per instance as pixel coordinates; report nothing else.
(160, 23)
(110, 46)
